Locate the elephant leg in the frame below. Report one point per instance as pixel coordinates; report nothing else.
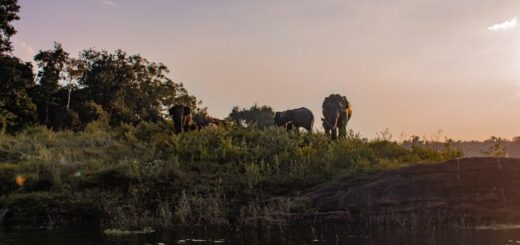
(187, 128)
(342, 132)
(308, 128)
(289, 127)
(342, 127)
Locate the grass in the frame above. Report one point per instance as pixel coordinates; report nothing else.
(131, 177)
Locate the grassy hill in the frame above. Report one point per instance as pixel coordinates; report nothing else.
(145, 176)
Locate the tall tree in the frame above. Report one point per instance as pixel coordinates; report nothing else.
(16, 107)
(52, 69)
(74, 71)
(16, 77)
(8, 13)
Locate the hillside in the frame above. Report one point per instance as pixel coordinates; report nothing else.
(145, 176)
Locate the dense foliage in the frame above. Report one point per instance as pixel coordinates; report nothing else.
(17, 109)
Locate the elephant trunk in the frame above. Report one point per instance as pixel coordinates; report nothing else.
(178, 123)
(329, 124)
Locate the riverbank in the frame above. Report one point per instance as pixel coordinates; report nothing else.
(131, 177)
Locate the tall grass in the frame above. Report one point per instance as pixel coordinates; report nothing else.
(144, 175)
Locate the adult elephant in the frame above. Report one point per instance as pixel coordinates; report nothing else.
(182, 118)
(337, 111)
(295, 118)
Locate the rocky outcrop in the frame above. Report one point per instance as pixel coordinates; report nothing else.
(470, 190)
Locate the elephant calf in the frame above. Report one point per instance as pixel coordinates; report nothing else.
(296, 118)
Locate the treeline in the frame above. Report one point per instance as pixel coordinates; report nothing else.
(68, 92)
(492, 147)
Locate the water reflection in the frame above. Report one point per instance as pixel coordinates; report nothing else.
(328, 234)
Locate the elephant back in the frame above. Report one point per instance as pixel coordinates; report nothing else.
(336, 99)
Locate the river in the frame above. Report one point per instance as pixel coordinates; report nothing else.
(331, 234)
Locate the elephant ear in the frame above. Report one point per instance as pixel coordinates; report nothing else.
(349, 110)
(344, 102)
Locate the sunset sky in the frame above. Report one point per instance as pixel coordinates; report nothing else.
(412, 66)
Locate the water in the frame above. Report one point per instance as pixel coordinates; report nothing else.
(331, 234)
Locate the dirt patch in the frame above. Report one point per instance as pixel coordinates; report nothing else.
(467, 191)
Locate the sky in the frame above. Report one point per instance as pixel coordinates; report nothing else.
(412, 67)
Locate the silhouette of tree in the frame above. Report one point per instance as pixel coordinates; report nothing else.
(8, 13)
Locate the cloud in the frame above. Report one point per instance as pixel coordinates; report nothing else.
(108, 3)
(508, 24)
(23, 50)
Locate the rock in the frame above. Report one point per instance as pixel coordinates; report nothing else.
(469, 190)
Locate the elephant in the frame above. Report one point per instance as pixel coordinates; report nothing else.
(182, 118)
(203, 121)
(295, 118)
(337, 111)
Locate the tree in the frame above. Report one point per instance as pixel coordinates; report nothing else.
(128, 87)
(50, 95)
(74, 71)
(254, 117)
(16, 78)
(8, 13)
(16, 107)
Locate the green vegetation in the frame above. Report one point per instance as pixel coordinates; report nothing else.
(130, 177)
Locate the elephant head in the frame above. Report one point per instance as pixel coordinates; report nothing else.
(337, 111)
(281, 119)
(182, 119)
